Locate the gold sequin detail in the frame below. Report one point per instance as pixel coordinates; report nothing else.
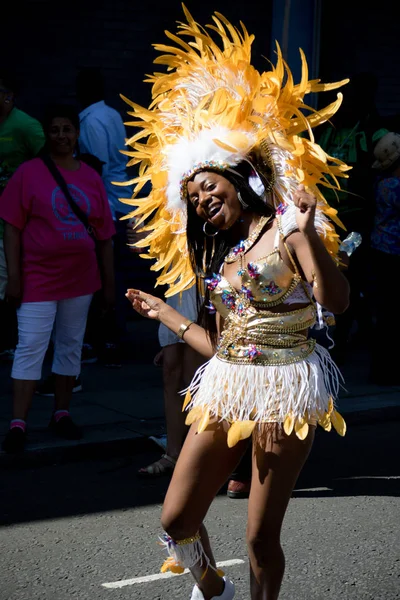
(189, 540)
(273, 357)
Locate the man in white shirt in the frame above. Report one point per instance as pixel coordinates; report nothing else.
(102, 134)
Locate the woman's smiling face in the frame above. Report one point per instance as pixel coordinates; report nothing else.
(62, 136)
(215, 199)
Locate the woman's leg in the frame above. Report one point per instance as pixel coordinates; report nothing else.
(277, 462)
(204, 464)
(69, 332)
(35, 323)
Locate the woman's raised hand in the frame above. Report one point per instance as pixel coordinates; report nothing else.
(146, 305)
(306, 204)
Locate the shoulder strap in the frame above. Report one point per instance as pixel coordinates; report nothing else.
(79, 213)
(277, 238)
(296, 270)
(289, 252)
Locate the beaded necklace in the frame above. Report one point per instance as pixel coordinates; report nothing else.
(244, 296)
(244, 245)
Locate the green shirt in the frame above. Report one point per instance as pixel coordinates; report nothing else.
(21, 138)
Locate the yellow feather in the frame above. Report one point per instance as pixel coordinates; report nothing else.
(246, 429)
(300, 89)
(233, 434)
(204, 421)
(188, 398)
(325, 422)
(239, 430)
(194, 415)
(171, 565)
(224, 146)
(288, 424)
(301, 428)
(339, 423)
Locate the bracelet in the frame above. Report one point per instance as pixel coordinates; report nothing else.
(183, 328)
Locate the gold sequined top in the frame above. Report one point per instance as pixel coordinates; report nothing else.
(252, 334)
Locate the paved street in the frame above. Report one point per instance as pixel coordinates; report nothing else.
(68, 529)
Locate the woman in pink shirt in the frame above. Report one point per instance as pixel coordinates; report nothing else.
(53, 269)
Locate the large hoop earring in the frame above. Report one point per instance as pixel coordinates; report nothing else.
(242, 202)
(209, 234)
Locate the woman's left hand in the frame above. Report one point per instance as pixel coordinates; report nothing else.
(306, 204)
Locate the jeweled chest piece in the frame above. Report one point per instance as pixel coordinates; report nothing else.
(244, 245)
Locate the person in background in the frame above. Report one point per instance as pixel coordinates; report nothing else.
(102, 133)
(179, 363)
(47, 387)
(385, 243)
(53, 270)
(21, 138)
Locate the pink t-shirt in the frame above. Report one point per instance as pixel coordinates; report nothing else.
(58, 255)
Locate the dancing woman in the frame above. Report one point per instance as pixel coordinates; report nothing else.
(237, 209)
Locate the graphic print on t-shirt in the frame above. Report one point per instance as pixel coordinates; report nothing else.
(62, 209)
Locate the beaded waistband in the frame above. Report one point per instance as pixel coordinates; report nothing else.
(267, 338)
(259, 354)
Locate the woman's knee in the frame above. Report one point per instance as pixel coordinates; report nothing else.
(264, 546)
(177, 525)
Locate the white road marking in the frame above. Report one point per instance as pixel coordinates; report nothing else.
(368, 477)
(316, 489)
(157, 576)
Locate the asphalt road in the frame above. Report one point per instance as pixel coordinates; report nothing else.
(68, 529)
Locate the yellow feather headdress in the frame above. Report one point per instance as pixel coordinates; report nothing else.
(213, 109)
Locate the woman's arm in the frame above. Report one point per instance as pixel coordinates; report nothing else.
(155, 308)
(331, 288)
(12, 249)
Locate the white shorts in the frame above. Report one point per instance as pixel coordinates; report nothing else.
(184, 303)
(3, 271)
(35, 326)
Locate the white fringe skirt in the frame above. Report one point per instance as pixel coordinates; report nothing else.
(295, 395)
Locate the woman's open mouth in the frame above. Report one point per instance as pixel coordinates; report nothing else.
(215, 212)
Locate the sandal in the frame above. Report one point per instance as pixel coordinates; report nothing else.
(164, 466)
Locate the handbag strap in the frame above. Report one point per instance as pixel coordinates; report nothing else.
(79, 213)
